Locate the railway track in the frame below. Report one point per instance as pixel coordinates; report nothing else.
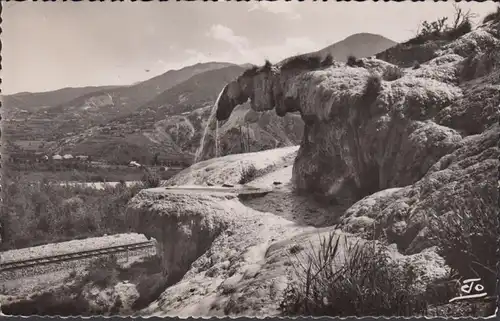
(9, 266)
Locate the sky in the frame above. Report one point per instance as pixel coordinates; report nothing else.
(47, 46)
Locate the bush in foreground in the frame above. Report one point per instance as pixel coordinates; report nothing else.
(440, 30)
(39, 213)
(150, 179)
(102, 272)
(368, 284)
(467, 236)
(327, 61)
(352, 61)
(307, 62)
(392, 73)
(248, 174)
(372, 89)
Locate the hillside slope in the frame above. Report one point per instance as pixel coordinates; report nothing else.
(33, 101)
(98, 106)
(360, 45)
(175, 120)
(148, 120)
(146, 131)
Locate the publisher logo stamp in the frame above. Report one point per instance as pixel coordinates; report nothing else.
(470, 289)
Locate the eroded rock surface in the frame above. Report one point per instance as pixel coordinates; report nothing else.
(404, 211)
(227, 259)
(212, 242)
(406, 131)
(229, 169)
(396, 149)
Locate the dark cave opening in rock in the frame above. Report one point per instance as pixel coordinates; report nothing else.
(370, 180)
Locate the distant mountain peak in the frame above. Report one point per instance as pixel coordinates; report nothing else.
(361, 45)
(363, 34)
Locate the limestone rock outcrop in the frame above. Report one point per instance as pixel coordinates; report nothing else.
(212, 248)
(404, 211)
(396, 146)
(248, 131)
(223, 258)
(229, 169)
(422, 135)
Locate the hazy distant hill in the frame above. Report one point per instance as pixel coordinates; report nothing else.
(32, 101)
(141, 91)
(195, 92)
(187, 105)
(132, 97)
(123, 100)
(94, 107)
(360, 45)
(168, 114)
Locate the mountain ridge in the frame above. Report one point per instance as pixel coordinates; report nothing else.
(360, 45)
(173, 120)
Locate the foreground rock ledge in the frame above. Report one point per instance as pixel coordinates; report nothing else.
(222, 258)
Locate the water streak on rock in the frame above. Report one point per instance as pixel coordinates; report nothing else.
(211, 119)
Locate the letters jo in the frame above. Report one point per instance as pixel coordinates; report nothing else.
(467, 287)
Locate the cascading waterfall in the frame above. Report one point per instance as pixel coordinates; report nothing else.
(217, 139)
(200, 151)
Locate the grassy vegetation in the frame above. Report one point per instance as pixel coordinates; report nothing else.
(368, 284)
(248, 174)
(467, 237)
(150, 179)
(372, 88)
(352, 61)
(327, 61)
(36, 210)
(371, 284)
(34, 214)
(441, 30)
(392, 73)
(111, 173)
(254, 70)
(307, 62)
(102, 272)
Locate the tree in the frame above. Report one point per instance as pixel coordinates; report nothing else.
(156, 159)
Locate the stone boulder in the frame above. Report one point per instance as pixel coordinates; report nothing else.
(222, 258)
(402, 213)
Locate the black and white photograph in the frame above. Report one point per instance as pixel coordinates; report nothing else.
(250, 158)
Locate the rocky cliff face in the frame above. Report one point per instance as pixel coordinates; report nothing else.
(247, 131)
(223, 258)
(399, 148)
(379, 127)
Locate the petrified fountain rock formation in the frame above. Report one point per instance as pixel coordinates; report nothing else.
(400, 148)
(365, 132)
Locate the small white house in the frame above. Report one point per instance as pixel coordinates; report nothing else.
(134, 164)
